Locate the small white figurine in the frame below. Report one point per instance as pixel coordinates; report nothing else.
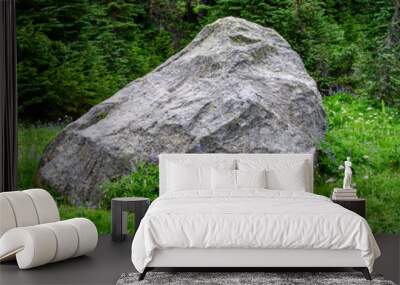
(347, 174)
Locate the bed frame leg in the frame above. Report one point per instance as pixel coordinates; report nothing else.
(143, 274)
(364, 271)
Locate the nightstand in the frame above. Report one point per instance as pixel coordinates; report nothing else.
(119, 215)
(357, 205)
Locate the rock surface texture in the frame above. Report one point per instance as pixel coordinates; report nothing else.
(237, 87)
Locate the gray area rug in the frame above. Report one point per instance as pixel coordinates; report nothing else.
(273, 278)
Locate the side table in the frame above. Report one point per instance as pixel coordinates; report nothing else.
(357, 205)
(119, 215)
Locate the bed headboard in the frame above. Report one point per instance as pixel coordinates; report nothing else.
(210, 157)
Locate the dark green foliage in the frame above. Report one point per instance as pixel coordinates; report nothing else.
(332, 37)
(74, 54)
(379, 70)
(141, 183)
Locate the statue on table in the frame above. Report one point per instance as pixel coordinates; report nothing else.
(347, 174)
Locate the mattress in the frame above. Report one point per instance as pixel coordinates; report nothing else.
(250, 219)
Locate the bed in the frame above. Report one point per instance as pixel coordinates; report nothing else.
(247, 210)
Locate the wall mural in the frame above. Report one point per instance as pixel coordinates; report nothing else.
(106, 86)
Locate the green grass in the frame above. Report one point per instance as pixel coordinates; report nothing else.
(141, 183)
(101, 218)
(368, 133)
(32, 140)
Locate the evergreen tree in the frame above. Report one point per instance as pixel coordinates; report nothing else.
(73, 54)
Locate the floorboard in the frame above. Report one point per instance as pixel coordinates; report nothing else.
(110, 260)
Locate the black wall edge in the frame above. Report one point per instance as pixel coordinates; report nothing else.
(8, 97)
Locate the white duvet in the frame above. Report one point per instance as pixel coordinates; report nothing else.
(250, 219)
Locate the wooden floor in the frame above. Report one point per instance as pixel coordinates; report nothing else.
(110, 260)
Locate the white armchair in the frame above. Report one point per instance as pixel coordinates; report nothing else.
(32, 233)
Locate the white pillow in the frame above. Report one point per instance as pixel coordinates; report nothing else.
(182, 177)
(288, 174)
(223, 179)
(230, 180)
(251, 178)
(187, 174)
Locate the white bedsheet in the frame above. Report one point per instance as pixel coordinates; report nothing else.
(250, 219)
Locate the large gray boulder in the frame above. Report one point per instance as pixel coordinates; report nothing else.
(237, 87)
